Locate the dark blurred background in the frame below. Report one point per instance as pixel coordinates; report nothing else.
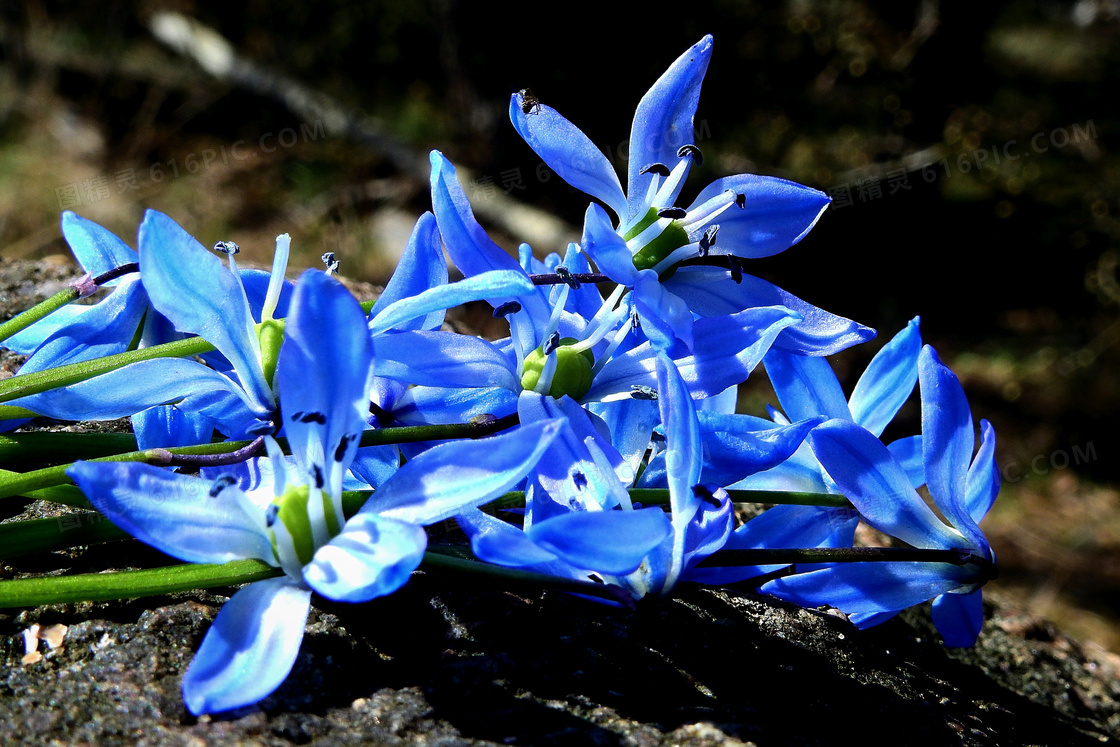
(970, 149)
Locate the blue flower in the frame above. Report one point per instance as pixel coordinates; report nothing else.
(182, 289)
(741, 216)
(963, 487)
(296, 522)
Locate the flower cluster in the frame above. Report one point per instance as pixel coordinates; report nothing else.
(609, 400)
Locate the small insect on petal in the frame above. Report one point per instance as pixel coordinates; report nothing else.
(641, 391)
(530, 104)
(566, 277)
(227, 247)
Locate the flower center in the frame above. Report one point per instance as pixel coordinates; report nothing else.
(671, 237)
(573, 370)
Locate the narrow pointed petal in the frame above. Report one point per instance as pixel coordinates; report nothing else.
(448, 478)
(372, 556)
(250, 649)
(188, 284)
(443, 359)
(947, 442)
(495, 284)
(500, 543)
(663, 119)
(877, 486)
(606, 248)
(806, 386)
(421, 267)
(959, 618)
(613, 542)
(888, 380)
(983, 475)
(869, 588)
(776, 214)
(711, 291)
(730, 456)
(174, 513)
(323, 376)
(682, 441)
(568, 152)
(96, 248)
(425, 404)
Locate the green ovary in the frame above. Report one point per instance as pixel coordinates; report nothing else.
(670, 239)
(573, 370)
(293, 514)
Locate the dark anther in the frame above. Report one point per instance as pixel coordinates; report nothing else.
(703, 493)
(657, 436)
(596, 578)
(672, 212)
(221, 484)
(567, 278)
(708, 240)
(655, 168)
(310, 417)
(343, 445)
(641, 391)
(579, 479)
(552, 344)
(691, 150)
(736, 269)
(741, 200)
(330, 261)
(318, 475)
(635, 322)
(509, 307)
(271, 514)
(227, 247)
(530, 104)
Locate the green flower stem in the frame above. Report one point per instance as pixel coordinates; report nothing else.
(56, 533)
(72, 373)
(791, 556)
(43, 448)
(40, 311)
(100, 587)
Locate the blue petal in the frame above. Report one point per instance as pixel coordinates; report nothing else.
(424, 404)
(97, 249)
(869, 588)
(167, 426)
(450, 477)
(888, 380)
(959, 617)
(189, 286)
(630, 422)
(613, 542)
(420, 267)
(174, 513)
(947, 442)
(725, 350)
(497, 542)
(27, 339)
(806, 386)
(711, 291)
(776, 215)
(682, 442)
(908, 453)
(663, 120)
(323, 376)
(138, 386)
(606, 248)
(496, 284)
(371, 557)
(376, 464)
(568, 152)
(443, 359)
(983, 475)
(250, 648)
(730, 456)
(665, 318)
(105, 329)
(872, 480)
(256, 284)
